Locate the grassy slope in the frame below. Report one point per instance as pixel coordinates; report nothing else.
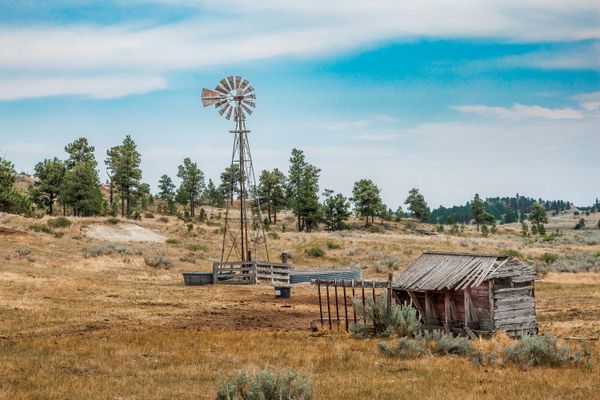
(111, 327)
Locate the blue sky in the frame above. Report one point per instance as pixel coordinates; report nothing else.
(451, 97)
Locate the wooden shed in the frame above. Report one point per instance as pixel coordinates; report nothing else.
(470, 293)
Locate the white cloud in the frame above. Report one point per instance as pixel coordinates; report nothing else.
(588, 101)
(229, 32)
(519, 111)
(100, 87)
(579, 57)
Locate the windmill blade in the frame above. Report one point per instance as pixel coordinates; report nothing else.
(249, 103)
(243, 84)
(250, 96)
(225, 108)
(219, 88)
(246, 108)
(210, 97)
(247, 90)
(220, 103)
(231, 81)
(238, 80)
(228, 116)
(224, 83)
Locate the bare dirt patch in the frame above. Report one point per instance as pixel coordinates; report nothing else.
(122, 233)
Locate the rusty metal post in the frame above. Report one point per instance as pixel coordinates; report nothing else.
(374, 298)
(362, 284)
(345, 306)
(337, 310)
(320, 303)
(353, 295)
(328, 306)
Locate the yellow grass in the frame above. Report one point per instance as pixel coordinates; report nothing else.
(113, 328)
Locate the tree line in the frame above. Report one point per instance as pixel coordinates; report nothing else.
(72, 187)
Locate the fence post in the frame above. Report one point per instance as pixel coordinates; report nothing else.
(337, 310)
(374, 298)
(320, 304)
(328, 306)
(345, 306)
(353, 309)
(215, 272)
(362, 284)
(389, 296)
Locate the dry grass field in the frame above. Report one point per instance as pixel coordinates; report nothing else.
(111, 327)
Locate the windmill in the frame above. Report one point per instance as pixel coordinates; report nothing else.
(242, 236)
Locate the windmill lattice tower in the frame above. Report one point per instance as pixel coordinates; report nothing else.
(244, 234)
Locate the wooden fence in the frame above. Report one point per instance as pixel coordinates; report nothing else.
(336, 294)
(251, 272)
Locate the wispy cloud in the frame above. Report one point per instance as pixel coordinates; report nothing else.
(520, 111)
(589, 101)
(268, 29)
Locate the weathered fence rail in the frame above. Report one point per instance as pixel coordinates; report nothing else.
(251, 272)
(348, 290)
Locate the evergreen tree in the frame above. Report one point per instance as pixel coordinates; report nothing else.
(336, 210)
(123, 162)
(50, 175)
(538, 218)
(192, 184)
(417, 205)
(12, 201)
(480, 215)
(230, 182)
(166, 188)
(271, 190)
(81, 185)
(367, 199)
(302, 191)
(214, 196)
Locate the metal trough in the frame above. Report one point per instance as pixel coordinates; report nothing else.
(198, 278)
(306, 275)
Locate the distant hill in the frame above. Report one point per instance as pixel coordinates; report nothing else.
(504, 209)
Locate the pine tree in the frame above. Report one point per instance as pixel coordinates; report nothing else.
(192, 184)
(271, 190)
(123, 164)
(230, 182)
(10, 200)
(50, 175)
(214, 196)
(538, 218)
(336, 210)
(477, 210)
(81, 185)
(417, 205)
(302, 191)
(367, 199)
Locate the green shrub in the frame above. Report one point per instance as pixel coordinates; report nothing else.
(163, 219)
(273, 235)
(265, 385)
(172, 241)
(159, 260)
(333, 245)
(106, 249)
(315, 252)
(511, 253)
(406, 348)
(537, 350)
(43, 228)
(148, 215)
(198, 247)
(24, 251)
(399, 320)
(112, 221)
(60, 222)
(580, 224)
(549, 258)
(58, 235)
(446, 343)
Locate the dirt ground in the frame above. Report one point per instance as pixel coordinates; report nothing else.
(112, 327)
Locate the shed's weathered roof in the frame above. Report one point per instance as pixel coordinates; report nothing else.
(457, 271)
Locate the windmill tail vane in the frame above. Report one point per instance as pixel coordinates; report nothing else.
(244, 233)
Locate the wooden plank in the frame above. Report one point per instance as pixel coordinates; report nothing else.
(470, 332)
(502, 315)
(516, 307)
(514, 290)
(446, 311)
(416, 303)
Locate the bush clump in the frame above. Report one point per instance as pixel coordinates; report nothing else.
(264, 385)
(198, 247)
(60, 222)
(333, 245)
(511, 253)
(23, 251)
(159, 260)
(545, 350)
(428, 343)
(549, 258)
(399, 320)
(315, 252)
(106, 249)
(40, 228)
(112, 221)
